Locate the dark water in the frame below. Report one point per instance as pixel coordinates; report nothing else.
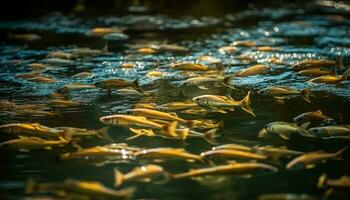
(317, 29)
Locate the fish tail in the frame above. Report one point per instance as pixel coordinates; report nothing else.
(105, 48)
(127, 193)
(210, 136)
(136, 85)
(31, 186)
(118, 177)
(305, 94)
(340, 152)
(103, 133)
(245, 102)
(170, 128)
(226, 82)
(345, 74)
(322, 180)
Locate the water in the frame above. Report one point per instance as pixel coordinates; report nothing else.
(318, 30)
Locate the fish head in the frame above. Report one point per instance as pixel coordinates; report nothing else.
(318, 131)
(108, 120)
(200, 100)
(262, 133)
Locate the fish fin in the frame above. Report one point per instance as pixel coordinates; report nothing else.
(339, 153)
(345, 74)
(31, 186)
(310, 166)
(134, 136)
(118, 177)
(184, 134)
(220, 111)
(23, 150)
(203, 88)
(65, 136)
(305, 125)
(105, 48)
(322, 180)
(48, 148)
(284, 136)
(279, 100)
(170, 128)
(136, 85)
(103, 133)
(245, 102)
(210, 135)
(305, 94)
(226, 82)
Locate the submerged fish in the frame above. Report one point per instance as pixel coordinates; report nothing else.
(284, 129)
(74, 86)
(168, 153)
(333, 131)
(31, 143)
(310, 117)
(232, 168)
(102, 31)
(201, 81)
(314, 72)
(27, 37)
(144, 173)
(287, 196)
(314, 63)
(31, 129)
(341, 183)
(82, 132)
(177, 105)
(309, 160)
(223, 102)
(79, 189)
(155, 114)
(331, 79)
(232, 153)
(188, 66)
(281, 93)
(118, 84)
(253, 70)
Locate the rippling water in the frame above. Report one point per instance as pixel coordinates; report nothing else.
(317, 30)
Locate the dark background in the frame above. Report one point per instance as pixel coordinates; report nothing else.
(17, 9)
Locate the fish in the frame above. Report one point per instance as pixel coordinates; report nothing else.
(57, 61)
(177, 105)
(26, 37)
(39, 66)
(155, 73)
(309, 160)
(42, 79)
(82, 132)
(79, 189)
(314, 72)
(314, 63)
(231, 168)
(332, 131)
(201, 81)
(227, 50)
(143, 173)
(24, 143)
(103, 31)
(127, 65)
(83, 75)
(331, 79)
(312, 116)
(341, 183)
(224, 102)
(243, 43)
(281, 93)
(184, 133)
(187, 66)
(61, 55)
(284, 129)
(118, 84)
(146, 50)
(31, 130)
(162, 153)
(253, 70)
(137, 122)
(233, 147)
(63, 103)
(28, 75)
(74, 86)
(206, 123)
(267, 48)
(107, 152)
(287, 196)
(171, 47)
(276, 152)
(116, 37)
(87, 52)
(232, 153)
(155, 114)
